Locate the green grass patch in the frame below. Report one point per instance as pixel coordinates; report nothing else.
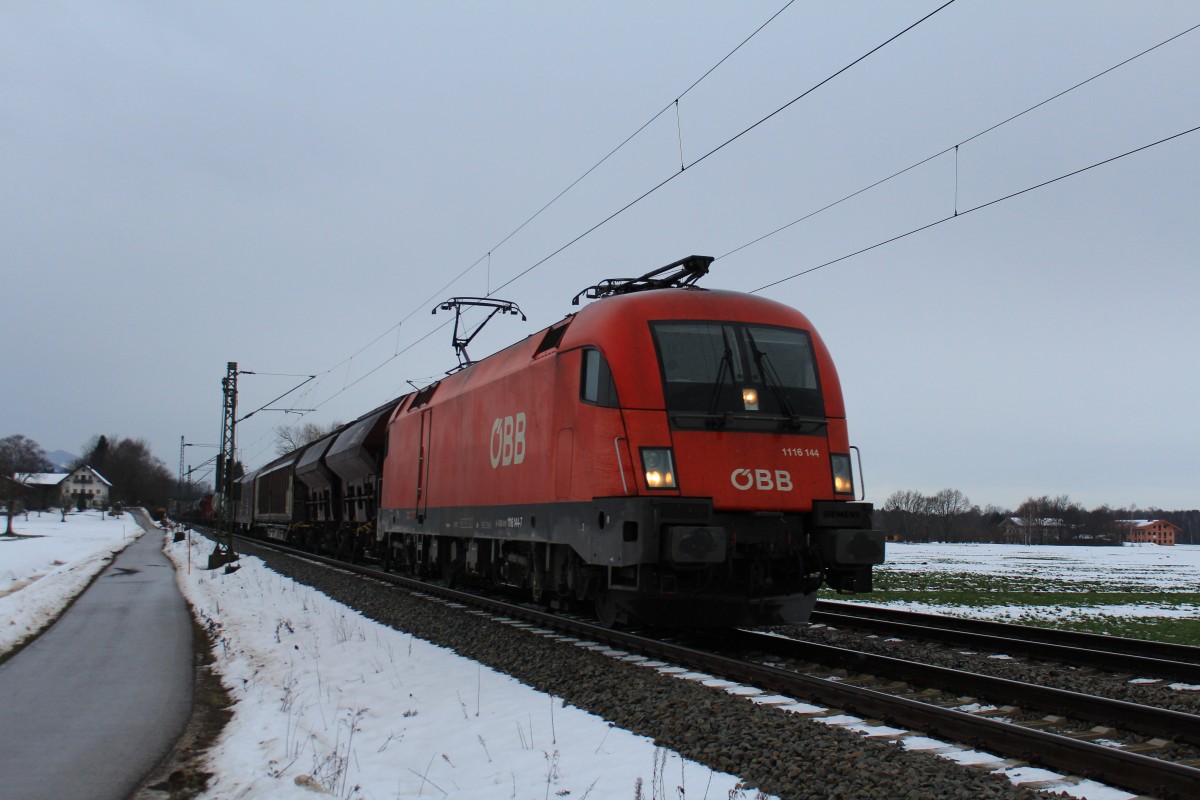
(1159, 629)
(1053, 602)
(910, 583)
(1072, 599)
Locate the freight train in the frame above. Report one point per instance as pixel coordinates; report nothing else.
(666, 455)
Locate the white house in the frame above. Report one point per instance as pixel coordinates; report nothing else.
(48, 489)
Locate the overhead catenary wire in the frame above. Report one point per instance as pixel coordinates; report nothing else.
(280, 397)
(488, 256)
(317, 406)
(981, 206)
(663, 183)
(398, 351)
(199, 468)
(684, 166)
(725, 144)
(955, 147)
(274, 374)
(630, 204)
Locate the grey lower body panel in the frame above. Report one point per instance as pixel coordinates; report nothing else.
(661, 560)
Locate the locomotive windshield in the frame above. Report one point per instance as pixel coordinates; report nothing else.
(737, 374)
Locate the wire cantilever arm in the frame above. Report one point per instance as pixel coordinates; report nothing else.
(285, 394)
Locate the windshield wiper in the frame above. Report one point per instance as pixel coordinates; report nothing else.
(726, 366)
(770, 377)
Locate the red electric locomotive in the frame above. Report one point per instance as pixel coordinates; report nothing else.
(668, 454)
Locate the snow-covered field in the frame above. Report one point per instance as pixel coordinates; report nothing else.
(50, 562)
(1148, 565)
(1091, 572)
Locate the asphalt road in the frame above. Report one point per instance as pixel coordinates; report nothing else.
(98, 700)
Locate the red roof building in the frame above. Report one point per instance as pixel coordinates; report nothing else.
(1148, 531)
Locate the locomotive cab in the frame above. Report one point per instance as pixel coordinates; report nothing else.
(745, 492)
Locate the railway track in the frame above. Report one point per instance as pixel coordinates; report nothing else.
(1119, 714)
(1078, 753)
(1134, 656)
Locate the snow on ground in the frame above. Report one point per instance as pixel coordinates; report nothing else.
(328, 698)
(50, 562)
(1151, 566)
(1145, 568)
(329, 701)
(1020, 614)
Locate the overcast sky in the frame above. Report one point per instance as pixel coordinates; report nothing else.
(281, 184)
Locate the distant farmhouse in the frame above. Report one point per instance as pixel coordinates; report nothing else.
(1019, 530)
(52, 489)
(1148, 531)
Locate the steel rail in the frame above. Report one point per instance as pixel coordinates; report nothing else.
(1114, 644)
(1131, 771)
(1150, 720)
(1138, 656)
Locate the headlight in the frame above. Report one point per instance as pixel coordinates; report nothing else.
(750, 399)
(843, 478)
(659, 467)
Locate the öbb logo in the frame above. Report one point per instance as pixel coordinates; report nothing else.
(508, 440)
(761, 479)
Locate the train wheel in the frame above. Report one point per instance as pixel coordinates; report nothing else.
(495, 572)
(537, 573)
(447, 563)
(424, 565)
(606, 609)
(580, 581)
(387, 556)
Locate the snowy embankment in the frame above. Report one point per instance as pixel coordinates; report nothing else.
(328, 700)
(49, 562)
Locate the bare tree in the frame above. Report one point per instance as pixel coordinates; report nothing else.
(911, 501)
(20, 456)
(293, 437)
(949, 503)
(1101, 526)
(908, 514)
(947, 507)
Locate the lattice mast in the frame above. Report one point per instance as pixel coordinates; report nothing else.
(224, 552)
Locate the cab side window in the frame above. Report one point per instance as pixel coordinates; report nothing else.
(596, 384)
